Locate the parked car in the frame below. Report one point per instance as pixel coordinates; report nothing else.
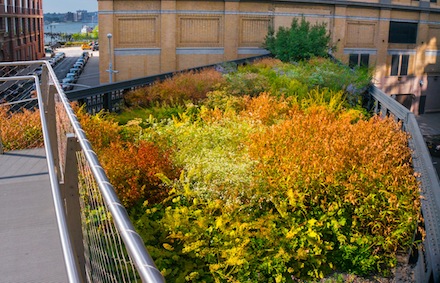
(82, 60)
(75, 70)
(67, 83)
(53, 62)
(78, 65)
(60, 54)
(38, 71)
(73, 76)
(86, 46)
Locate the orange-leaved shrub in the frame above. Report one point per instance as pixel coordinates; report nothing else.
(100, 129)
(182, 87)
(353, 180)
(135, 169)
(132, 168)
(20, 130)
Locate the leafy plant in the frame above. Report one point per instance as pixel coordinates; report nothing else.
(310, 191)
(275, 176)
(180, 89)
(20, 130)
(299, 42)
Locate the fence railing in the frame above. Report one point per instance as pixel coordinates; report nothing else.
(99, 242)
(428, 253)
(110, 96)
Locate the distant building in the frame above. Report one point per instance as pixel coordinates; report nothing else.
(80, 15)
(68, 17)
(399, 38)
(21, 30)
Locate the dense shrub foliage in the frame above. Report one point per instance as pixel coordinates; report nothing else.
(190, 86)
(301, 41)
(296, 194)
(20, 130)
(131, 165)
(274, 174)
(270, 173)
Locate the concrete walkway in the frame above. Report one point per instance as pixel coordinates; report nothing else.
(30, 245)
(429, 125)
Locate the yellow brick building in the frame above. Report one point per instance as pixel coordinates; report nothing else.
(399, 38)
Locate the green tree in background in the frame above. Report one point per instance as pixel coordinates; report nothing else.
(86, 36)
(301, 41)
(95, 32)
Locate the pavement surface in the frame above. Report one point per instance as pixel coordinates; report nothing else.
(90, 75)
(30, 242)
(429, 124)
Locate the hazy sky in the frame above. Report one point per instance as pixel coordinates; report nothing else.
(64, 6)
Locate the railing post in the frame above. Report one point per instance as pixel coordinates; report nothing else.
(70, 194)
(107, 101)
(48, 93)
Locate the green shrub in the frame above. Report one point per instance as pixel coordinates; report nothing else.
(299, 42)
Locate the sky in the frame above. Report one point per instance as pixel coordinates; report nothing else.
(64, 6)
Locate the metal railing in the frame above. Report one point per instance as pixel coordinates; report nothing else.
(110, 96)
(98, 240)
(428, 253)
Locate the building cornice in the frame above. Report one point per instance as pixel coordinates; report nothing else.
(383, 4)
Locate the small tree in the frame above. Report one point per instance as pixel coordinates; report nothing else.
(299, 42)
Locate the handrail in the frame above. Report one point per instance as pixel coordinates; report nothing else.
(71, 268)
(136, 248)
(50, 90)
(428, 264)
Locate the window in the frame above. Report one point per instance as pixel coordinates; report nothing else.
(433, 1)
(399, 65)
(401, 32)
(358, 60)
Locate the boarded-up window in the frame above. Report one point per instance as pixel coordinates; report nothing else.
(360, 34)
(139, 32)
(253, 31)
(198, 31)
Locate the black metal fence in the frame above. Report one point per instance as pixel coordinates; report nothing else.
(110, 96)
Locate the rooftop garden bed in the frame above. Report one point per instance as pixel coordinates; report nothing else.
(271, 173)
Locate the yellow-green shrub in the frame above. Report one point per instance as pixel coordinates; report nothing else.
(323, 190)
